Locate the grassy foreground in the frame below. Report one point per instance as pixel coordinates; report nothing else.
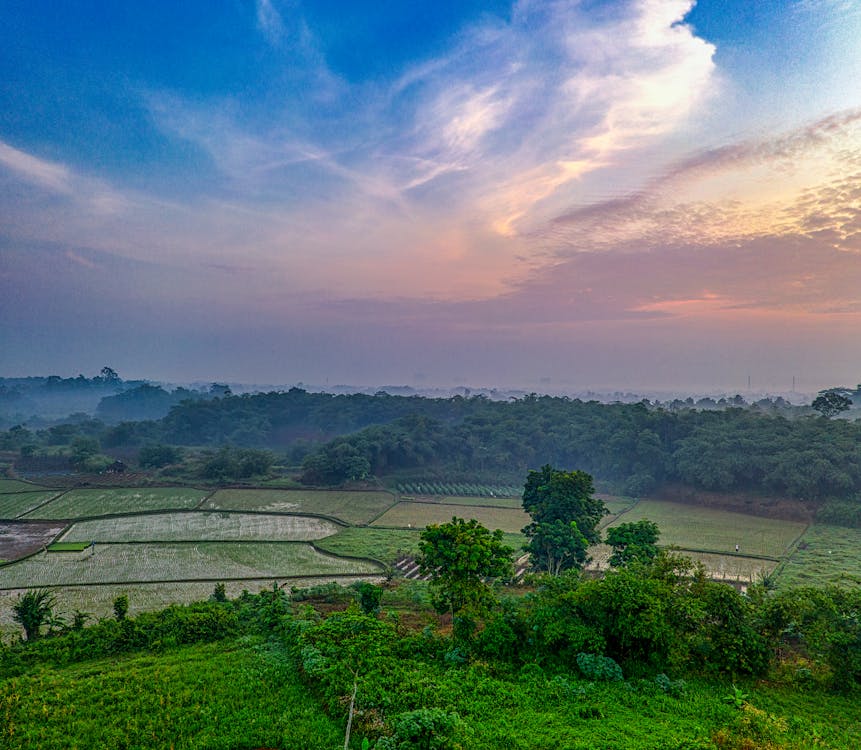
(214, 696)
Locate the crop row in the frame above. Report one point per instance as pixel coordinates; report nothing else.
(458, 488)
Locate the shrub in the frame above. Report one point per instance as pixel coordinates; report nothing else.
(599, 668)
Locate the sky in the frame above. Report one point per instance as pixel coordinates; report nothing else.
(644, 194)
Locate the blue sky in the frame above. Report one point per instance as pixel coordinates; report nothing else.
(588, 194)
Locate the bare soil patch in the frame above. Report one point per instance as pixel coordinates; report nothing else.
(18, 538)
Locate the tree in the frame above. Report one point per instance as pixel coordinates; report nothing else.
(33, 609)
(565, 515)
(830, 403)
(461, 557)
(555, 495)
(635, 541)
(556, 546)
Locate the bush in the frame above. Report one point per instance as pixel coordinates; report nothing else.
(599, 668)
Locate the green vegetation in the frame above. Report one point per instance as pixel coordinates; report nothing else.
(103, 502)
(352, 507)
(69, 546)
(491, 501)
(381, 544)
(462, 557)
(199, 526)
(456, 490)
(15, 504)
(220, 696)
(418, 515)
(564, 518)
(15, 485)
(632, 542)
(127, 563)
(825, 554)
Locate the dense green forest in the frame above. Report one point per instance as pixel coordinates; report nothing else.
(637, 446)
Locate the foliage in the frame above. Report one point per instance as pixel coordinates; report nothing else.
(461, 556)
(633, 542)
(597, 667)
(423, 729)
(157, 455)
(33, 609)
(121, 607)
(556, 546)
(229, 464)
(830, 403)
(369, 597)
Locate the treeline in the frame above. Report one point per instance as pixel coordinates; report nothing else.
(633, 445)
(637, 446)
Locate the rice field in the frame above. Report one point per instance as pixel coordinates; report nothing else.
(691, 527)
(15, 504)
(419, 515)
(352, 507)
(496, 502)
(382, 544)
(110, 501)
(16, 485)
(199, 526)
(131, 563)
(825, 554)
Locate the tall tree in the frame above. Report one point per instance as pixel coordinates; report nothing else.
(565, 515)
(831, 403)
(462, 557)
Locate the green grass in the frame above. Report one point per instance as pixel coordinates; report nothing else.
(199, 526)
(16, 504)
(826, 554)
(16, 485)
(127, 563)
(352, 507)
(103, 502)
(496, 502)
(381, 544)
(419, 515)
(68, 546)
(217, 696)
(707, 529)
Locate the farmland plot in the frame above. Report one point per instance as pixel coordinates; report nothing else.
(15, 504)
(19, 539)
(825, 554)
(129, 563)
(496, 502)
(199, 526)
(352, 507)
(16, 485)
(711, 530)
(419, 515)
(108, 501)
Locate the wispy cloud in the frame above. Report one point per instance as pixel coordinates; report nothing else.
(269, 21)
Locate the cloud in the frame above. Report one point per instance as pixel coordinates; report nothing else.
(269, 22)
(45, 174)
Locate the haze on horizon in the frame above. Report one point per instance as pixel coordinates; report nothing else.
(644, 194)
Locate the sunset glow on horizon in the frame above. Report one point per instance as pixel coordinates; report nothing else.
(650, 194)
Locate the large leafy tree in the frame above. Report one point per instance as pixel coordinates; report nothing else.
(565, 515)
(556, 546)
(635, 541)
(462, 558)
(830, 403)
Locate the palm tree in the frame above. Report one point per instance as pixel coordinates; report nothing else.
(33, 610)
